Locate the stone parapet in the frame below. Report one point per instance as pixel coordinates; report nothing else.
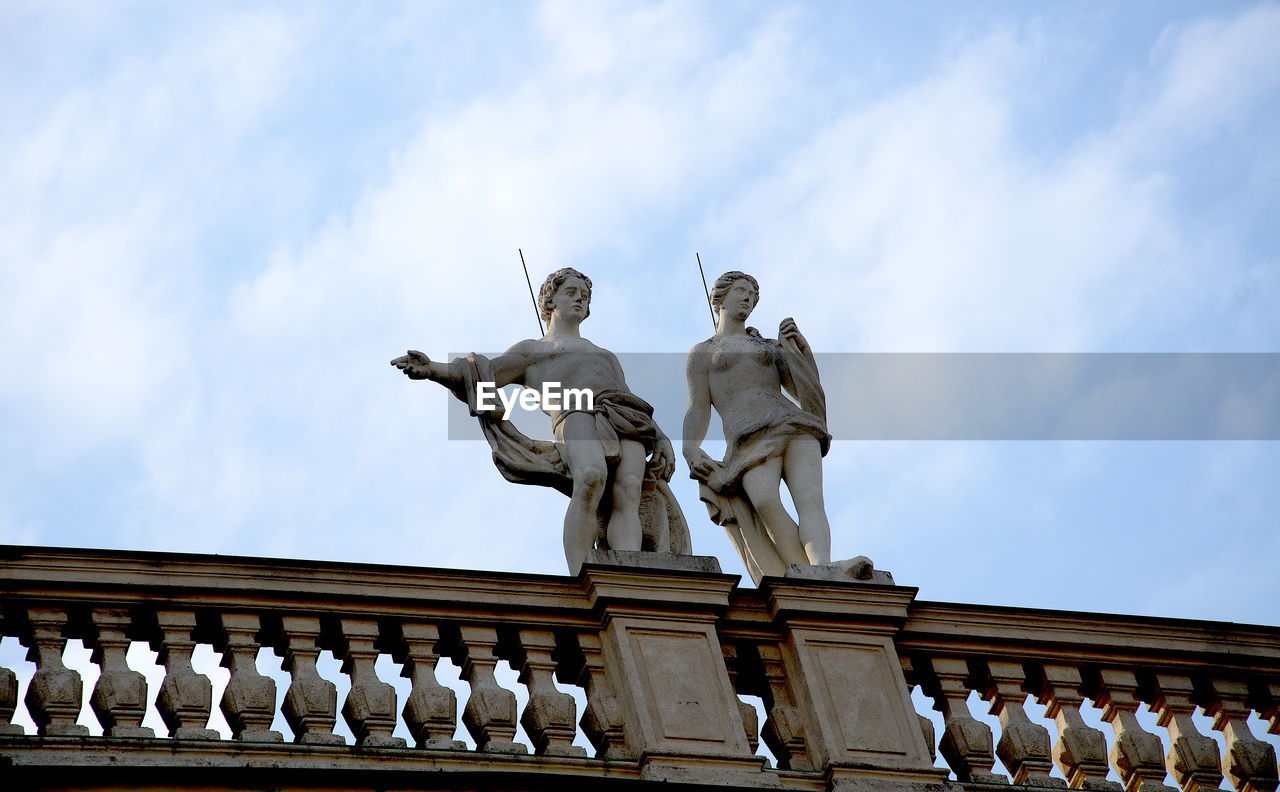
(641, 672)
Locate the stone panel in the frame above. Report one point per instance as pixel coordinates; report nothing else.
(858, 686)
(681, 686)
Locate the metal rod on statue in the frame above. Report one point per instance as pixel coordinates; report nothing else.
(705, 289)
(536, 312)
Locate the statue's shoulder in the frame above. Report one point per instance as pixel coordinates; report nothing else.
(704, 346)
(526, 347)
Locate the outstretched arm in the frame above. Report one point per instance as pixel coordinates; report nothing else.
(508, 367)
(698, 417)
(418, 366)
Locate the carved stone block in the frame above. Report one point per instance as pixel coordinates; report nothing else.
(370, 711)
(968, 747)
(1076, 748)
(53, 699)
(184, 702)
(1251, 766)
(1193, 760)
(309, 708)
(431, 714)
(550, 715)
(1138, 757)
(249, 704)
(119, 700)
(490, 716)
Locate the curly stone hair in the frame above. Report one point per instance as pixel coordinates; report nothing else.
(549, 286)
(726, 281)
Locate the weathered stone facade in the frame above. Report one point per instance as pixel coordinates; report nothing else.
(661, 653)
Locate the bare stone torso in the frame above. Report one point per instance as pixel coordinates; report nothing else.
(746, 387)
(573, 363)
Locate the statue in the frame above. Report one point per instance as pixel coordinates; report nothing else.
(770, 439)
(611, 459)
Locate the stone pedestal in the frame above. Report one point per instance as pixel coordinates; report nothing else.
(668, 671)
(853, 698)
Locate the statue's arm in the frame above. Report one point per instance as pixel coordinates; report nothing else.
(510, 367)
(787, 381)
(418, 366)
(788, 330)
(698, 416)
(617, 369)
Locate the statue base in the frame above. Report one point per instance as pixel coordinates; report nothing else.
(645, 559)
(838, 572)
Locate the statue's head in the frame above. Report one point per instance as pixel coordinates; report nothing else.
(568, 289)
(736, 292)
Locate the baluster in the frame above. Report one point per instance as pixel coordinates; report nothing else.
(1137, 755)
(927, 730)
(1023, 745)
(750, 718)
(1081, 750)
(602, 719)
(490, 714)
(119, 698)
(1250, 763)
(967, 744)
(185, 698)
(55, 694)
(783, 729)
(431, 710)
(370, 708)
(8, 702)
(249, 702)
(550, 717)
(311, 702)
(1193, 758)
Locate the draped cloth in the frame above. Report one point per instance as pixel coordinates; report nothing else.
(619, 415)
(727, 504)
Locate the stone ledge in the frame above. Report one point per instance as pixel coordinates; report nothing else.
(102, 763)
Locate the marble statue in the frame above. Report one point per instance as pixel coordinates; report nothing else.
(771, 439)
(612, 460)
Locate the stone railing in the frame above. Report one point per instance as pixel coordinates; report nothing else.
(655, 669)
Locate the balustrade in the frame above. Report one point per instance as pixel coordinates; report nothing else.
(813, 653)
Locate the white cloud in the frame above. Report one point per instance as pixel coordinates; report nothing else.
(107, 196)
(938, 227)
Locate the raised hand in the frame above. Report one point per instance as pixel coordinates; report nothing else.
(787, 329)
(414, 364)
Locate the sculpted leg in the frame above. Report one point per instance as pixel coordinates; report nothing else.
(585, 458)
(625, 532)
(761, 485)
(802, 470)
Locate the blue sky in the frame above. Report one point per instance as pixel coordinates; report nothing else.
(219, 221)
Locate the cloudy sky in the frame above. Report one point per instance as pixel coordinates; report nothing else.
(218, 222)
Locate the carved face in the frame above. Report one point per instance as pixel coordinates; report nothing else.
(741, 298)
(572, 299)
